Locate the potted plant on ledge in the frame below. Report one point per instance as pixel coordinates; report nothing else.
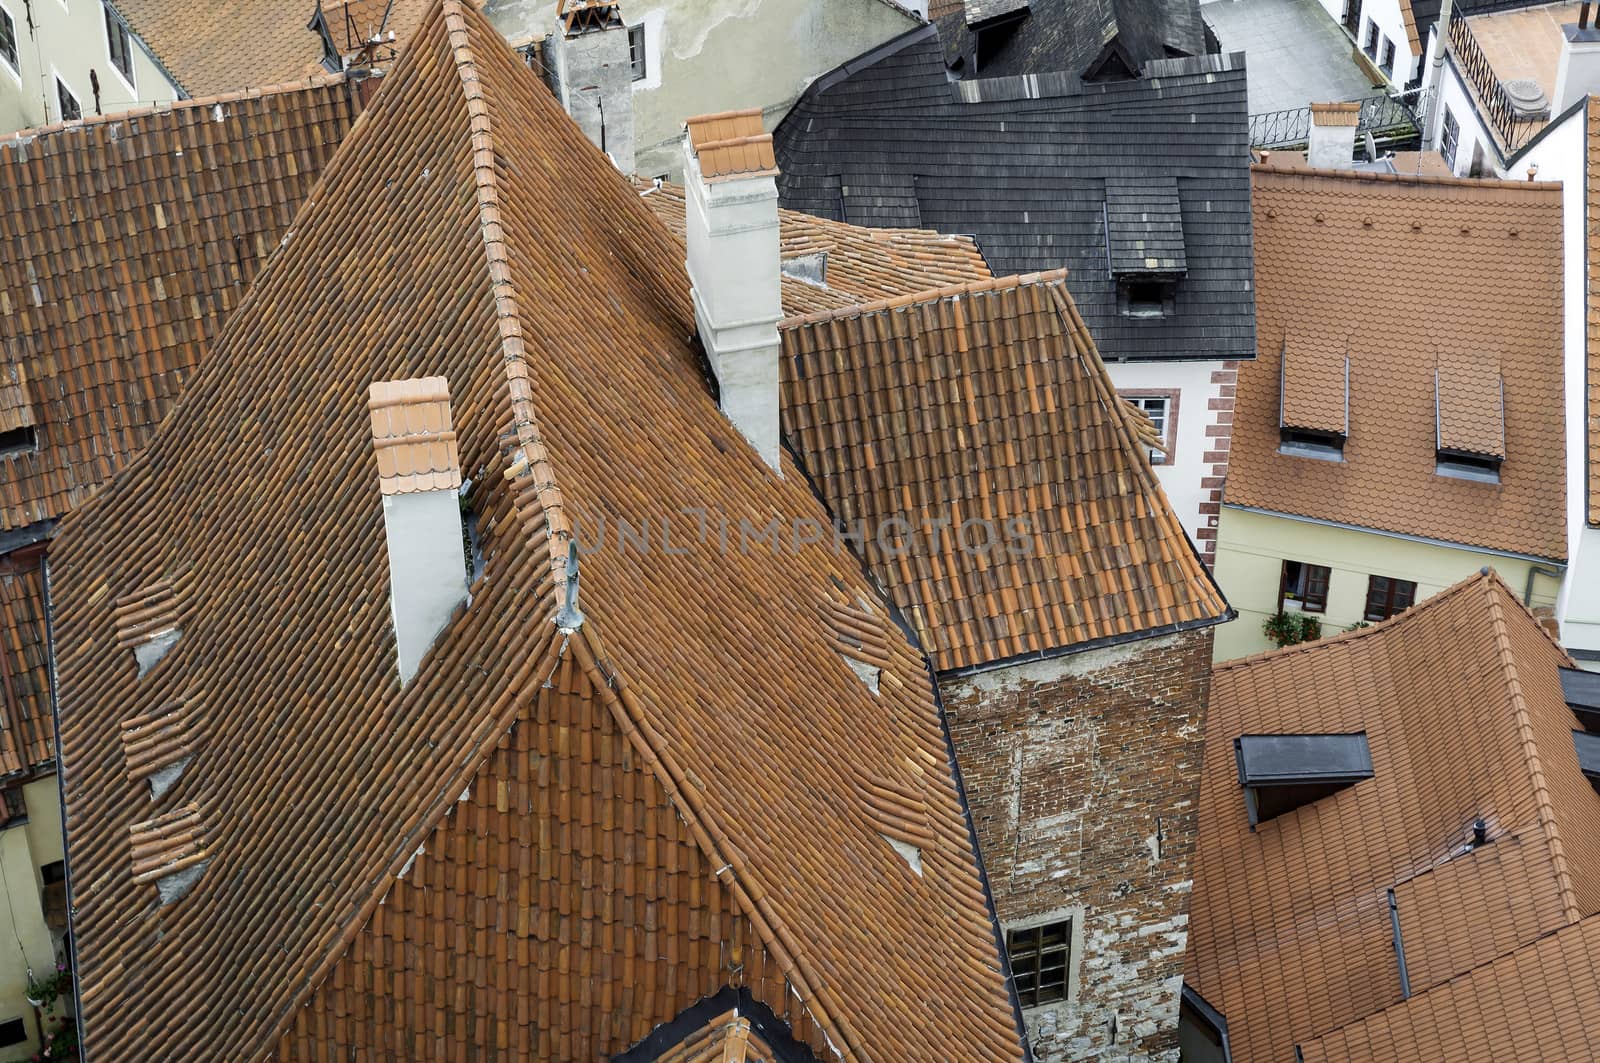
(43, 992)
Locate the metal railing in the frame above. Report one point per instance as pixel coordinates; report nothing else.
(1390, 120)
(1494, 104)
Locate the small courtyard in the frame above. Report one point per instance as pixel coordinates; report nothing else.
(1297, 54)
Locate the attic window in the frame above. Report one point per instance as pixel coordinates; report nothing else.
(1581, 690)
(18, 440)
(1588, 749)
(171, 851)
(1146, 298)
(147, 623)
(1281, 773)
(1469, 402)
(1313, 401)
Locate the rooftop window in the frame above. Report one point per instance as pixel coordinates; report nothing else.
(1460, 465)
(1588, 747)
(1582, 692)
(1313, 400)
(1145, 298)
(1280, 773)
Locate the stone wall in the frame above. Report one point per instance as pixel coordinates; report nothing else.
(1083, 776)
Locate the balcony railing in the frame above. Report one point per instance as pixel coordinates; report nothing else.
(1494, 104)
(1391, 120)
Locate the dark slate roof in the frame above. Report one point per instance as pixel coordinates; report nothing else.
(1026, 164)
(1144, 224)
(1069, 35)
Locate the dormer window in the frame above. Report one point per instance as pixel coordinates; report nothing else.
(17, 423)
(1469, 403)
(1313, 401)
(1146, 298)
(1144, 244)
(1581, 690)
(1280, 773)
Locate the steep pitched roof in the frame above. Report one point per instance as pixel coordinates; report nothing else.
(832, 265)
(214, 48)
(1418, 318)
(1069, 35)
(448, 237)
(986, 407)
(124, 244)
(1024, 165)
(1460, 700)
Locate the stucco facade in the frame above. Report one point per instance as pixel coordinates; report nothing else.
(688, 49)
(1252, 547)
(1083, 775)
(68, 40)
(27, 847)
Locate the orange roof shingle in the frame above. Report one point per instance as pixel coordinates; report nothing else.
(689, 745)
(858, 264)
(1471, 405)
(1460, 699)
(731, 144)
(412, 436)
(1318, 235)
(1315, 386)
(980, 418)
(108, 307)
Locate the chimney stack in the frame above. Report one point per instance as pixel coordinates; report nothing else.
(732, 215)
(1578, 72)
(1333, 135)
(419, 474)
(594, 75)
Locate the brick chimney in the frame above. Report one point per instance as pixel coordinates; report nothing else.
(594, 75)
(1578, 73)
(734, 269)
(1333, 135)
(419, 474)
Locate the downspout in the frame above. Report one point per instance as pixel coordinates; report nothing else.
(1441, 32)
(1537, 570)
(61, 795)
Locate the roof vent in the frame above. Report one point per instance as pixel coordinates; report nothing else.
(1528, 100)
(157, 746)
(1280, 773)
(147, 623)
(170, 851)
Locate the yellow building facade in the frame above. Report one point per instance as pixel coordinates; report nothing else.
(1253, 545)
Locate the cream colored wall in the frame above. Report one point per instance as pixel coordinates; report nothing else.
(24, 850)
(69, 38)
(1251, 549)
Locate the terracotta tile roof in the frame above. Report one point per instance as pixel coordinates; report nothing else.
(726, 1039)
(1460, 700)
(856, 264)
(1471, 405)
(156, 740)
(1314, 382)
(1413, 37)
(988, 402)
(27, 731)
(1592, 378)
(688, 746)
(731, 144)
(413, 437)
(215, 48)
(168, 843)
(107, 308)
(16, 404)
(1317, 237)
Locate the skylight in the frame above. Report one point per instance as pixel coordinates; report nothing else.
(1281, 773)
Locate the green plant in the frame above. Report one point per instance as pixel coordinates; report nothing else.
(42, 992)
(1358, 625)
(1287, 629)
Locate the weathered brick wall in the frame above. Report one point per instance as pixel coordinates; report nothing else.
(1083, 776)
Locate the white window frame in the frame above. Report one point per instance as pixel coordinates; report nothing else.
(14, 71)
(57, 79)
(108, 15)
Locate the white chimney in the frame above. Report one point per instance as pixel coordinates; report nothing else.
(734, 269)
(419, 474)
(1333, 135)
(594, 75)
(1578, 73)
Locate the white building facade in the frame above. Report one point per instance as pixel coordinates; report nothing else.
(66, 59)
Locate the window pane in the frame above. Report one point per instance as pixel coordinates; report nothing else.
(8, 39)
(67, 103)
(1316, 595)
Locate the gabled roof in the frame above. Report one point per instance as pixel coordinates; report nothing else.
(1461, 703)
(1028, 166)
(124, 244)
(986, 407)
(466, 229)
(830, 265)
(1069, 35)
(214, 48)
(1317, 237)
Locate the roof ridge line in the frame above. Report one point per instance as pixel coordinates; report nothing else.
(1478, 183)
(1424, 606)
(1530, 750)
(32, 133)
(930, 295)
(710, 837)
(532, 458)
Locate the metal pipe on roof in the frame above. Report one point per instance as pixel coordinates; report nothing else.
(1399, 947)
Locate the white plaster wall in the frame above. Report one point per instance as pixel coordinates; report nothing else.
(1391, 24)
(1454, 96)
(1181, 477)
(69, 39)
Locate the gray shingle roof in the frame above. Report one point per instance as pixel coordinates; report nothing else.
(1032, 167)
(1041, 36)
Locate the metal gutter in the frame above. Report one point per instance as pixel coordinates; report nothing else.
(1532, 558)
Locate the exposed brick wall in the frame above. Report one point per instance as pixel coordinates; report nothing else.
(1219, 438)
(1083, 775)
